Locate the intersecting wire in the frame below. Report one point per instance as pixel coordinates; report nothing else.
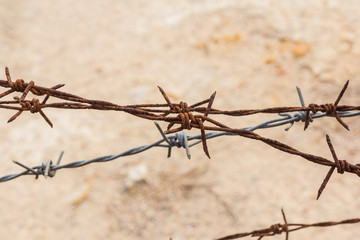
(185, 118)
(286, 228)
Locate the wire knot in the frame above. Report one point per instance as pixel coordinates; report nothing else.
(180, 140)
(328, 108)
(186, 117)
(33, 106)
(273, 229)
(278, 228)
(19, 85)
(342, 166)
(301, 115)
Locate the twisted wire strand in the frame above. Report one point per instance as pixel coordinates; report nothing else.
(179, 140)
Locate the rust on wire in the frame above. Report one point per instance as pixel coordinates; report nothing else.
(185, 116)
(277, 229)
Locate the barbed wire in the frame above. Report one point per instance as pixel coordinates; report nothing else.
(185, 118)
(277, 229)
(184, 112)
(179, 140)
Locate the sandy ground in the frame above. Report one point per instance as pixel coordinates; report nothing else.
(253, 53)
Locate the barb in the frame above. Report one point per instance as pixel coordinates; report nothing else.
(47, 170)
(188, 120)
(328, 108)
(286, 228)
(33, 106)
(340, 165)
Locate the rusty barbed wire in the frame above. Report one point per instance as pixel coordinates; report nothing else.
(277, 229)
(185, 118)
(149, 111)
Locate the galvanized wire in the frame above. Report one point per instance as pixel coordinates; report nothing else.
(179, 140)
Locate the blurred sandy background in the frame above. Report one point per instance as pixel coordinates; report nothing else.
(253, 53)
